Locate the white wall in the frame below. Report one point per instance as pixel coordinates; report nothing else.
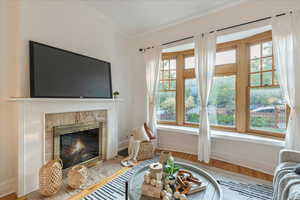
(258, 156)
(8, 44)
(70, 25)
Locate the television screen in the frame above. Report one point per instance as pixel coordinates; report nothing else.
(59, 73)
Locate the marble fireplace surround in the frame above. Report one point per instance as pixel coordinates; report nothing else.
(33, 131)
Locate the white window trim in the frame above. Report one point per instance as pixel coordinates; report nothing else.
(223, 135)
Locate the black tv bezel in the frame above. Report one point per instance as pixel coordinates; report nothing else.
(32, 73)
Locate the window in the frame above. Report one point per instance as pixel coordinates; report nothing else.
(191, 101)
(267, 106)
(221, 105)
(226, 57)
(245, 96)
(166, 110)
(189, 62)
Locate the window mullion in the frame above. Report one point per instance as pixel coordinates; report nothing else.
(242, 87)
(180, 90)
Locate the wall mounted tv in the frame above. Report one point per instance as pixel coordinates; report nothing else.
(57, 73)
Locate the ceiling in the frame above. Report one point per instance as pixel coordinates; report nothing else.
(140, 16)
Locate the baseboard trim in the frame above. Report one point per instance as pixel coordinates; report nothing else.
(223, 165)
(123, 145)
(7, 187)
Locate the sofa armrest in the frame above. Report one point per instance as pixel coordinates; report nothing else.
(286, 155)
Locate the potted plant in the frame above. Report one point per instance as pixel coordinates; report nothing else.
(116, 94)
(170, 169)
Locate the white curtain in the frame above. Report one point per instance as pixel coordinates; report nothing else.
(205, 56)
(153, 60)
(286, 45)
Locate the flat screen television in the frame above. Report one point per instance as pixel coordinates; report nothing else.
(57, 73)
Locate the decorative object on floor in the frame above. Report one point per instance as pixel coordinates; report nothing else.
(164, 156)
(140, 146)
(240, 188)
(77, 176)
(50, 177)
(146, 151)
(152, 185)
(116, 94)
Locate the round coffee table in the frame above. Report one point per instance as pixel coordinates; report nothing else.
(212, 192)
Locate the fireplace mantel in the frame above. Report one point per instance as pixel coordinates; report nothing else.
(21, 99)
(31, 132)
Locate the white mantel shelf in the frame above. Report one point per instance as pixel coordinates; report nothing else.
(21, 99)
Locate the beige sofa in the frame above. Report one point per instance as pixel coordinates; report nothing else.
(286, 182)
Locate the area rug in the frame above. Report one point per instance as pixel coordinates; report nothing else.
(113, 188)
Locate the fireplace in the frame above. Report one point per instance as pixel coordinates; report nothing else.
(82, 143)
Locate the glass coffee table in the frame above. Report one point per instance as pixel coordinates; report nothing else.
(212, 192)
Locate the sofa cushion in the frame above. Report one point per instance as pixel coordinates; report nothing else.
(294, 193)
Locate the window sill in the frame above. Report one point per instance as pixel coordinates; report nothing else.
(234, 136)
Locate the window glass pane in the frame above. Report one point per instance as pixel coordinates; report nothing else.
(221, 106)
(166, 74)
(267, 63)
(173, 74)
(255, 51)
(172, 64)
(189, 62)
(166, 109)
(166, 64)
(267, 49)
(172, 84)
(267, 110)
(267, 78)
(226, 57)
(255, 65)
(165, 85)
(255, 79)
(191, 101)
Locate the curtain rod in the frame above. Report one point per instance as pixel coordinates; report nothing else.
(218, 30)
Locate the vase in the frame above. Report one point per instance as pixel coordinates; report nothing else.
(77, 176)
(50, 178)
(164, 156)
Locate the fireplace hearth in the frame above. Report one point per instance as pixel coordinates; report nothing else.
(81, 143)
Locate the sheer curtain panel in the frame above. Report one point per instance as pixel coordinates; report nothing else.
(153, 60)
(286, 44)
(205, 55)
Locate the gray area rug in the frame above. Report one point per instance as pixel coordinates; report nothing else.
(234, 186)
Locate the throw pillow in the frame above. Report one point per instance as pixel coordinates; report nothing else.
(140, 134)
(149, 132)
(297, 170)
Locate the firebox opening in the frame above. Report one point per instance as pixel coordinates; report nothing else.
(78, 147)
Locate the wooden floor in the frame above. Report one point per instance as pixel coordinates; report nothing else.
(9, 197)
(213, 163)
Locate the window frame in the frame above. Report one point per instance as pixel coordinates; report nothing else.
(241, 70)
